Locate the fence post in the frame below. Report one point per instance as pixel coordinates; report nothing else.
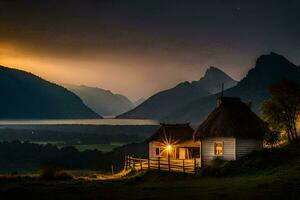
(148, 163)
(169, 163)
(133, 163)
(158, 163)
(195, 166)
(128, 161)
(141, 165)
(125, 162)
(112, 169)
(183, 166)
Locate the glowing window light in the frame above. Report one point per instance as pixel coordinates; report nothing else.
(218, 148)
(169, 147)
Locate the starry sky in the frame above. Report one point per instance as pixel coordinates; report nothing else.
(139, 47)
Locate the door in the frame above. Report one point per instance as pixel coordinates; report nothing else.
(182, 153)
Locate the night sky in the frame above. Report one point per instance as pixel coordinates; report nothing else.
(140, 47)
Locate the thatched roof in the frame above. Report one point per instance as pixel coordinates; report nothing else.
(172, 133)
(231, 118)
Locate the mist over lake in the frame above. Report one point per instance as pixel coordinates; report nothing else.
(80, 122)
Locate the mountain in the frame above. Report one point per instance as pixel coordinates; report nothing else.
(253, 88)
(103, 102)
(213, 79)
(139, 101)
(26, 96)
(162, 104)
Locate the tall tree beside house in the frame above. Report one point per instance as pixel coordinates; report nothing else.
(282, 109)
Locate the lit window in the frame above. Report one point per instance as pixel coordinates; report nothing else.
(218, 148)
(157, 151)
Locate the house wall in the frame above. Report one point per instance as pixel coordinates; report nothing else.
(246, 146)
(208, 149)
(155, 144)
(233, 148)
(152, 149)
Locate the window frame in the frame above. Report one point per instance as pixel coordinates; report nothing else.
(157, 148)
(215, 145)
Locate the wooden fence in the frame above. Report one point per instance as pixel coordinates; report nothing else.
(163, 164)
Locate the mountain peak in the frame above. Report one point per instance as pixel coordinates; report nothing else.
(270, 68)
(273, 60)
(213, 73)
(213, 79)
(213, 69)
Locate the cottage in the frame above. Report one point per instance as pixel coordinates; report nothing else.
(174, 141)
(231, 131)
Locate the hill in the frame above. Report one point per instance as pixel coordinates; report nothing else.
(267, 70)
(270, 174)
(103, 102)
(162, 104)
(26, 96)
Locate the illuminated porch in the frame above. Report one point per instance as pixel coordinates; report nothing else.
(163, 164)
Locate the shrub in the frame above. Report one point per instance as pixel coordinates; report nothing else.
(52, 172)
(215, 169)
(218, 162)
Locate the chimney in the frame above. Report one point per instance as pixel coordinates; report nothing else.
(219, 101)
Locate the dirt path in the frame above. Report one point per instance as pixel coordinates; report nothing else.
(106, 176)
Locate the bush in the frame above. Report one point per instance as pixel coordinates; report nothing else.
(215, 169)
(267, 159)
(52, 172)
(218, 162)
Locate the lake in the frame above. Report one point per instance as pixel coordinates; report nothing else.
(83, 134)
(81, 122)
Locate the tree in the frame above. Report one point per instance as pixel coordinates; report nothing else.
(271, 138)
(282, 109)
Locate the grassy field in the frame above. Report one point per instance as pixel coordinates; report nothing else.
(82, 147)
(282, 183)
(100, 147)
(263, 177)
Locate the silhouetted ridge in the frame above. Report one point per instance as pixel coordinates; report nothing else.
(26, 96)
(162, 104)
(213, 79)
(269, 69)
(104, 102)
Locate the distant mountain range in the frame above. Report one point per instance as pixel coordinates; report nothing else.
(253, 88)
(161, 105)
(26, 96)
(103, 102)
(268, 69)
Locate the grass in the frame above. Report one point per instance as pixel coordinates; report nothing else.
(100, 147)
(284, 183)
(82, 147)
(269, 174)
